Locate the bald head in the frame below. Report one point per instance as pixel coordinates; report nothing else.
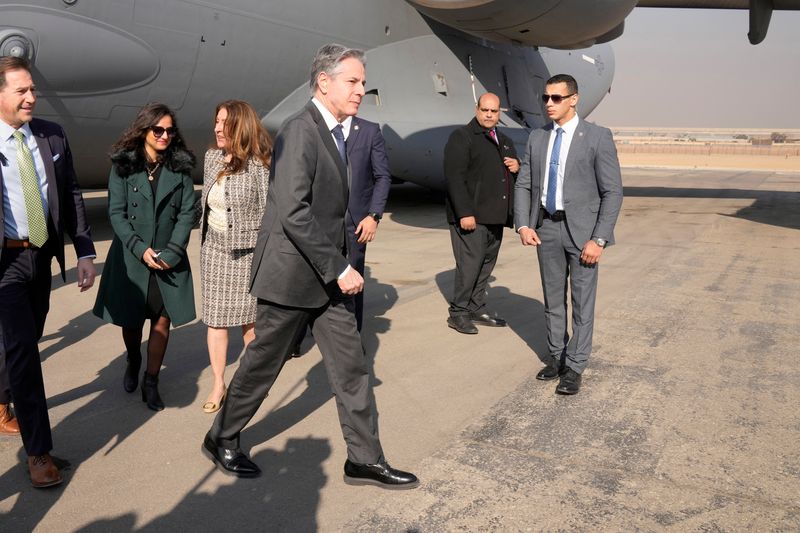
(488, 110)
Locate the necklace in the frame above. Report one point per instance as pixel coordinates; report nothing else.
(152, 171)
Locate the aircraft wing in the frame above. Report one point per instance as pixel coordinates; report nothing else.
(572, 24)
(760, 10)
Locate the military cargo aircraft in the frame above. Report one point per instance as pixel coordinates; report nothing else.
(96, 62)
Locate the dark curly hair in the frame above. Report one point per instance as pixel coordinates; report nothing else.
(132, 139)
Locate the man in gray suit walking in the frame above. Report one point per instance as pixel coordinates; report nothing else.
(566, 202)
(301, 277)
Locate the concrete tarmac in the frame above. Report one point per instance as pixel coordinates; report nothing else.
(687, 419)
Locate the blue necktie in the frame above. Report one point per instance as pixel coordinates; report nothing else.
(338, 134)
(552, 176)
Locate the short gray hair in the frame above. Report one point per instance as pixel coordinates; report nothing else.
(328, 59)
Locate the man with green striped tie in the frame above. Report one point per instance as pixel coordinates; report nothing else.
(41, 201)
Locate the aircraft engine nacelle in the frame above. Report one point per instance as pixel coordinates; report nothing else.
(566, 24)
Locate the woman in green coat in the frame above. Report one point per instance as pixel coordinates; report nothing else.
(147, 274)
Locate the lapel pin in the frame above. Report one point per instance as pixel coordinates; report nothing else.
(355, 127)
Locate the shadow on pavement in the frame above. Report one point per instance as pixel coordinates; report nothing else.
(528, 324)
(284, 498)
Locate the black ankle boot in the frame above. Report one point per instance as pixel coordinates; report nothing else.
(150, 392)
(131, 378)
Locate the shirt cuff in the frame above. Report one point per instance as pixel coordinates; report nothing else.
(346, 270)
(87, 257)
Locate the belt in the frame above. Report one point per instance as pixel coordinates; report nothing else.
(558, 216)
(17, 243)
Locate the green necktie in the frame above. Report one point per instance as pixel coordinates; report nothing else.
(37, 223)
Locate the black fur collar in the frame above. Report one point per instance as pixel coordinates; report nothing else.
(129, 162)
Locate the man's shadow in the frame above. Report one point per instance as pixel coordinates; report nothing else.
(111, 416)
(284, 498)
(380, 297)
(525, 315)
(71, 333)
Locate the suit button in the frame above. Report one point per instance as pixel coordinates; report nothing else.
(136, 189)
(230, 225)
(134, 204)
(504, 197)
(229, 210)
(133, 217)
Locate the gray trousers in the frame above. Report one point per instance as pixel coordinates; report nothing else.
(476, 254)
(559, 262)
(334, 330)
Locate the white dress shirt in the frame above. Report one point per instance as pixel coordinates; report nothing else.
(16, 215)
(569, 128)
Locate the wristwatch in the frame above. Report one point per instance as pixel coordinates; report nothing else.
(375, 216)
(600, 241)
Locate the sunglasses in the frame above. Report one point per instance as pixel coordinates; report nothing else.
(158, 131)
(556, 98)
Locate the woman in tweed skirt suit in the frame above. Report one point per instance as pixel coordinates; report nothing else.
(236, 176)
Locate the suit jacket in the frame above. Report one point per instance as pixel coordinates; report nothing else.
(301, 248)
(370, 178)
(478, 182)
(64, 200)
(592, 183)
(245, 198)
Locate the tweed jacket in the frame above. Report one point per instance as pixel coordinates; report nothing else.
(245, 199)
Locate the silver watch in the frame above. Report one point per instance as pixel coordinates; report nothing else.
(600, 241)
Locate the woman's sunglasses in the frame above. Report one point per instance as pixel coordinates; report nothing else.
(158, 131)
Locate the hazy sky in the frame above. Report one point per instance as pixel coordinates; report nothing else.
(696, 68)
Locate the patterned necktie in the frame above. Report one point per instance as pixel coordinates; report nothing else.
(338, 134)
(494, 137)
(37, 223)
(552, 176)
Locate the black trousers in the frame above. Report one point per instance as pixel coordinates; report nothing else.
(24, 302)
(476, 254)
(334, 330)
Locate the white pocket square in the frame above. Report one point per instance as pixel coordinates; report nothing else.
(56, 157)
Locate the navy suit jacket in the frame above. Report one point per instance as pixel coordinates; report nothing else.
(370, 178)
(64, 199)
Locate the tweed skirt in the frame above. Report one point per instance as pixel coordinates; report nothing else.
(226, 282)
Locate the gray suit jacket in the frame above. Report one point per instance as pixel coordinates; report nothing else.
(301, 248)
(592, 183)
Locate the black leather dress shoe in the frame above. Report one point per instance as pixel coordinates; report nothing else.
(549, 372)
(462, 324)
(380, 474)
(570, 383)
(230, 461)
(485, 319)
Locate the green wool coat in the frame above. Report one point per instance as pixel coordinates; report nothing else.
(140, 222)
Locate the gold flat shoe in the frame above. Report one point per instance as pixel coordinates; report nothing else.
(212, 407)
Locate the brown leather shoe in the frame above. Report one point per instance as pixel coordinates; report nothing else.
(8, 422)
(44, 473)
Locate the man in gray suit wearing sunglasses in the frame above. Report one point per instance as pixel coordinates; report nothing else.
(567, 198)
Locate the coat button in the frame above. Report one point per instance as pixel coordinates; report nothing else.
(136, 189)
(230, 225)
(133, 217)
(172, 205)
(229, 210)
(134, 204)
(504, 197)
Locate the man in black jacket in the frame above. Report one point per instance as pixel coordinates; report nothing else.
(480, 165)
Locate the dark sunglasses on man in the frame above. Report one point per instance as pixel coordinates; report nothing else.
(556, 98)
(158, 131)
